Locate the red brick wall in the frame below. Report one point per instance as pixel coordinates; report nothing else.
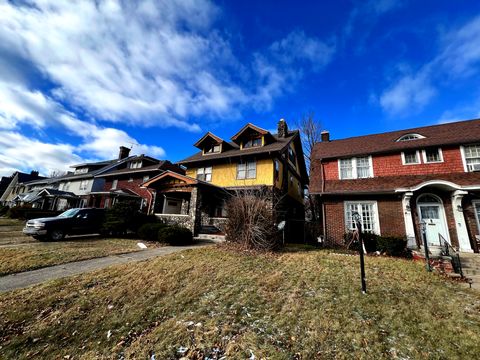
(125, 184)
(390, 217)
(391, 165)
(471, 220)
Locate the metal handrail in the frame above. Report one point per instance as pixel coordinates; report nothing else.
(449, 250)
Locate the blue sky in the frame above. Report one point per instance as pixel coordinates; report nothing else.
(80, 78)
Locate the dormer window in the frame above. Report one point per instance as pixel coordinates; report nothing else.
(136, 164)
(81, 170)
(212, 149)
(412, 136)
(252, 143)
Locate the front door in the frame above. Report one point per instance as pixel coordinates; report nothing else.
(434, 217)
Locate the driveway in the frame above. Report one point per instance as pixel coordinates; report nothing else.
(29, 278)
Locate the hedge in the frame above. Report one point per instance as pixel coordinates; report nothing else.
(175, 235)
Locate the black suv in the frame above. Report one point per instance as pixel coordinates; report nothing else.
(70, 222)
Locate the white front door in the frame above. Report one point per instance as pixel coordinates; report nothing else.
(434, 217)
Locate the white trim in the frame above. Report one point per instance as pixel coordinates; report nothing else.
(354, 167)
(464, 159)
(424, 156)
(418, 136)
(441, 210)
(417, 152)
(376, 216)
(460, 224)
(476, 203)
(439, 182)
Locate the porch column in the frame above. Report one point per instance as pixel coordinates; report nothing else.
(195, 201)
(460, 224)
(407, 216)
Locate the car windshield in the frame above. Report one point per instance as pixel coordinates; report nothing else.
(69, 213)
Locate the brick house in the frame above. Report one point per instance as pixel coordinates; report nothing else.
(397, 180)
(254, 159)
(125, 182)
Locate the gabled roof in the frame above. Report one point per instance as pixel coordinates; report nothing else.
(55, 192)
(234, 150)
(148, 169)
(457, 133)
(170, 174)
(208, 136)
(249, 126)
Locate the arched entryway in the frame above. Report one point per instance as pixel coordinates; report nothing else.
(431, 211)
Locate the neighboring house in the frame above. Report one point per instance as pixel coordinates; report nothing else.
(4, 182)
(255, 159)
(399, 179)
(125, 182)
(15, 186)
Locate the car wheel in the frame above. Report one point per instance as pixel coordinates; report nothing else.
(57, 235)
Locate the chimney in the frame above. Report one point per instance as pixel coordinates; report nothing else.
(282, 129)
(124, 152)
(325, 135)
(34, 173)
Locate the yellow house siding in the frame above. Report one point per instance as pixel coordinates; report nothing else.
(294, 187)
(226, 174)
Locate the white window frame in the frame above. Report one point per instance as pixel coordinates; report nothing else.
(376, 225)
(83, 185)
(136, 164)
(424, 156)
(146, 178)
(248, 171)
(419, 161)
(464, 157)
(114, 184)
(203, 171)
(476, 203)
(354, 168)
(413, 136)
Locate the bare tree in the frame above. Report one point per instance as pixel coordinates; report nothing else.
(311, 133)
(251, 220)
(57, 173)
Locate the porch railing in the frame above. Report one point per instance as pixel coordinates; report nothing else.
(448, 250)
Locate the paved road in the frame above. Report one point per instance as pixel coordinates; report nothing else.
(29, 278)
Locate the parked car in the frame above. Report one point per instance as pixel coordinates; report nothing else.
(71, 222)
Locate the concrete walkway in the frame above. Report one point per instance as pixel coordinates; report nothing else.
(29, 278)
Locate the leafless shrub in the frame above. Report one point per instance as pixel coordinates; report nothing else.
(251, 221)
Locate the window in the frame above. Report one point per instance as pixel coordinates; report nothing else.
(66, 186)
(83, 185)
(114, 184)
(410, 157)
(355, 168)
(247, 170)
(252, 143)
(204, 174)
(277, 170)
(135, 164)
(212, 149)
(472, 157)
(432, 156)
(81, 170)
(145, 178)
(408, 137)
(291, 156)
(476, 205)
(368, 213)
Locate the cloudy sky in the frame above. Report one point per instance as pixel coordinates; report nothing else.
(80, 78)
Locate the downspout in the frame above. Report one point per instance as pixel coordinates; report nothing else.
(324, 216)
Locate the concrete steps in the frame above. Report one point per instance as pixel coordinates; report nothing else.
(471, 268)
(210, 237)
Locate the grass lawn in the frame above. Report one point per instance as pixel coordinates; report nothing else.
(21, 253)
(214, 302)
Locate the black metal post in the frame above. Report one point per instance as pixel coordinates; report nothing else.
(362, 260)
(423, 228)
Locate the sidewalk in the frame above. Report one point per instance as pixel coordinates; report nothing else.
(29, 278)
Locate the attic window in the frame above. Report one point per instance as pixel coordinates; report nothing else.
(252, 143)
(136, 164)
(212, 149)
(81, 170)
(408, 137)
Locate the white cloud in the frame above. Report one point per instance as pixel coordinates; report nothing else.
(22, 153)
(459, 57)
(410, 93)
(297, 46)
